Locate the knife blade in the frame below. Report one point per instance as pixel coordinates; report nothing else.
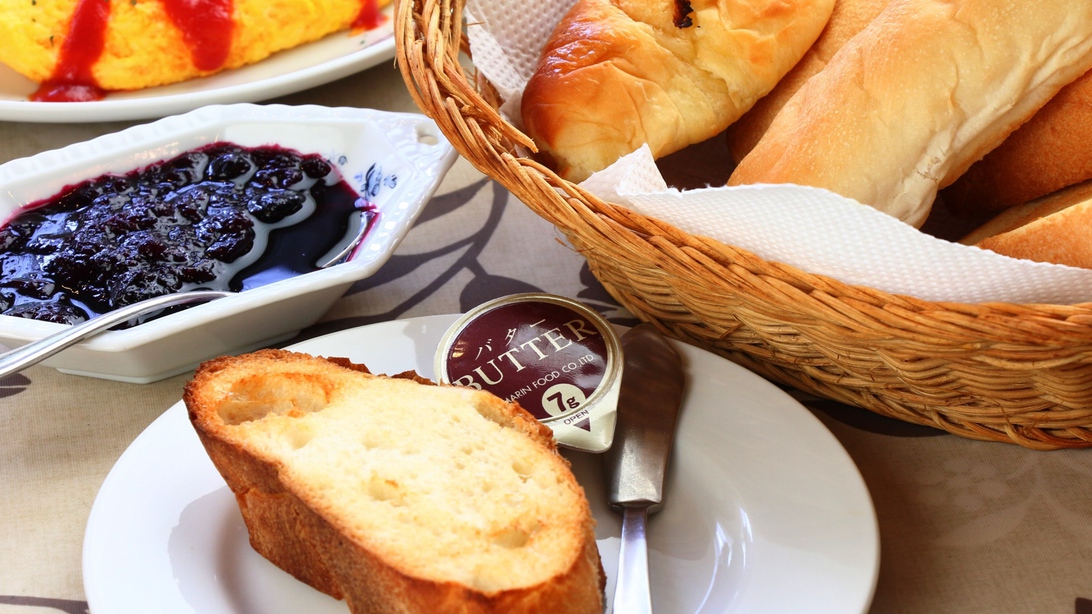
(636, 464)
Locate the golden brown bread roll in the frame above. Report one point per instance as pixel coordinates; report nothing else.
(1056, 228)
(1049, 152)
(848, 18)
(617, 74)
(926, 89)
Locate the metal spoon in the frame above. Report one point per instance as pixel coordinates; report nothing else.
(358, 227)
(37, 351)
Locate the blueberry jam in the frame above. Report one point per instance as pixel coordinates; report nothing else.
(222, 217)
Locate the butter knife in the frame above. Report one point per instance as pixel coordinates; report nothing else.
(636, 464)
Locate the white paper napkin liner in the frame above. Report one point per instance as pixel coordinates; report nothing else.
(506, 38)
(814, 230)
(821, 232)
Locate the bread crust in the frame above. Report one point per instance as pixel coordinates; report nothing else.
(1048, 153)
(289, 526)
(1056, 228)
(617, 74)
(927, 88)
(848, 18)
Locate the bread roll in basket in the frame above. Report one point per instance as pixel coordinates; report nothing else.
(1018, 373)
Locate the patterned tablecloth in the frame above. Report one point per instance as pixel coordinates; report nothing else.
(965, 526)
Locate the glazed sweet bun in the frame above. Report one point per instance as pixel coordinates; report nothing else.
(129, 45)
(925, 90)
(616, 74)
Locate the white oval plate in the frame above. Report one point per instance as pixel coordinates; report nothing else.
(336, 56)
(765, 511)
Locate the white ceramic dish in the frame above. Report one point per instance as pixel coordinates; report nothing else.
(336, 56)
(407, 146)
(765, 510)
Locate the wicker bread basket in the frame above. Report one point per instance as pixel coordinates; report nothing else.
(1016, 373)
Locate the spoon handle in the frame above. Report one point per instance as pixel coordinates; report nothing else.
(37, 351)
(632, 594)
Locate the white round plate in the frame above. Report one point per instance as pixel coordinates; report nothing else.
(336, 56)
(765, 511)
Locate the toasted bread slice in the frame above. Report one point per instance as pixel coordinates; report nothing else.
(394, 494)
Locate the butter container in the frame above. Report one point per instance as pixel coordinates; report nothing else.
(557, 358)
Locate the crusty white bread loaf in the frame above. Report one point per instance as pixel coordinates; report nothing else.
(1056, 228)
(927, 88)
(1051, 151)
(394, 494)
(616, 74)
(848, 18)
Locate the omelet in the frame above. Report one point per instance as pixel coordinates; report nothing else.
(135, 44)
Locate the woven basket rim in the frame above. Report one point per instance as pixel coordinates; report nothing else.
(611, 210)
(1012, 338)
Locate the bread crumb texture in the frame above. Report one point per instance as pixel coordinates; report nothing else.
(144, 49)
(439, 480)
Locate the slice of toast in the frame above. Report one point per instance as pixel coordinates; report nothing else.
(394, 494)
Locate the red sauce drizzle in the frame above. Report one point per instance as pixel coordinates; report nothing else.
(369, 16)
(206, 27)
(72, 79)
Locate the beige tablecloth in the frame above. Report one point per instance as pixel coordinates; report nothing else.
(965, 526)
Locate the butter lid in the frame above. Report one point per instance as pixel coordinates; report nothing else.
(559, 359)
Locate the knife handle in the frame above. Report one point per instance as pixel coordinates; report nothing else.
(632, 594)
